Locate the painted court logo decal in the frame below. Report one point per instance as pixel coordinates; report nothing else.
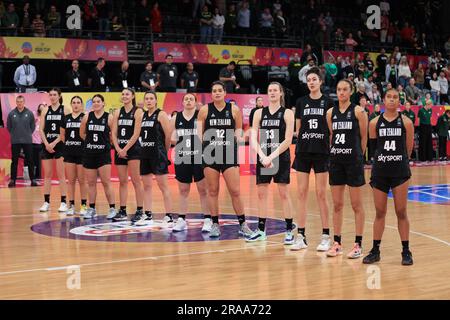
(431, 194)
(101, 229)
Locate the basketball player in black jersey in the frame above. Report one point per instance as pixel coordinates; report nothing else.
(220, 129)
(188, 157)
(73, 151)
(95, 130)
(312, 152)
(271, 137)
(392, 138)
(125, 133)
(347, 123)
(155, 141)
(51, 119)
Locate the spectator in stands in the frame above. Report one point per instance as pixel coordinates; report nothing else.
(404, 72)
(205, 25)
(374, 95)
(149, 78)
(347, 67)
(425, 133)
(401, 94)
(189, 78)
(25, 76)
(419, 76)
(396, 54)
(117, 27)
(21, 126)
(10, 21)
(76, 78)
(435, 89)
(329, 23)
(392, 72)
(293, 68)
(368, 62)
(218, 22)
(331, 72)
(350, 43)
(443, 85)
(90, 17)
(243, 20)
(360, 41)
(227, 76)
(38, 26)
(103, 11)
(167, 75)
(339, 40)
(424, 99)
(54, 23)
(25, 18)
(361, 80)
(280, 26)
(392, 31)
(432, 60)
(266, 23)
(302, 75)
(97, 78)
(441, 62)
(382, 61)
(231, 20)
(384, 28)
(360, 93)
(307, 53)
(156, 19)
(143, 14)
(196, 6)
(387, 88)
(122, 77)
(376, 111)
(447, 47)
(412, 92)
(385, 7)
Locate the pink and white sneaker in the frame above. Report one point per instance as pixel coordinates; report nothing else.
(356, 252)
(335, 250)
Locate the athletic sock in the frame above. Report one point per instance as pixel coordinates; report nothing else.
(326, 231)
(337, 239)
(112, 205)
(123, 208)
(92, 205)
(169, 215)
(207, 216)
(148, 214)
(83, 202)
(215, 219)
(241, 219)
(182, 216)
(63, 199)
(302, 232)
(405, 245)
(47, 198)
(72, 202)
(139, 208)
(376, 246)
(262, 224)
(358, 240)
(289, 224)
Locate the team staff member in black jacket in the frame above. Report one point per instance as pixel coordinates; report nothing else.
(392, 135)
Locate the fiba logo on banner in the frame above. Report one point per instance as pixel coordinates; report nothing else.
(373, 17)
(73, 17)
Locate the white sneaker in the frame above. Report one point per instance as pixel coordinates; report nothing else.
(62, 207)
(207, 225)
(144, 220)
(167, 220)
(83, 210)
(325, 243)
(181, 225)
(299, 243)
(91, 213)
(111, 213)
(71, 211)
(45, 207)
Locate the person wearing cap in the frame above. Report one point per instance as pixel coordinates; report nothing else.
(227, 76)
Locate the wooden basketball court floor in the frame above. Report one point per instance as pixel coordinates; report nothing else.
(37, 266)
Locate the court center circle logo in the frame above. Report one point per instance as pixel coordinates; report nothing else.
(101, 229)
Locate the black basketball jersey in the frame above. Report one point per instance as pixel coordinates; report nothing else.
(391, 155)
(272, 131)
(219, 134)
(125, 127)
(74, 143)
(314, 136)
(346, 139)
(97, 134)
(152, 137)
(188, 149)
(53, 121)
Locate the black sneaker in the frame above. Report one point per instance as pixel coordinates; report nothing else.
(137, 216)
(372, 257)
(120, 216)
(12, 184)
(407, 259)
